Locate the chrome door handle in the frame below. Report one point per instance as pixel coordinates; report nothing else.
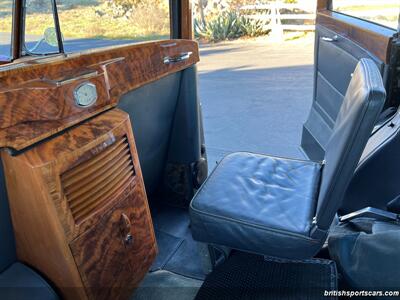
(72, 79)
(335, 38)
(174, 59)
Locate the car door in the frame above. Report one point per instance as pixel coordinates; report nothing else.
(347, 30)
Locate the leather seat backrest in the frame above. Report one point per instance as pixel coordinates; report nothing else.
(7, 243)
(381, 158)
(362, 104)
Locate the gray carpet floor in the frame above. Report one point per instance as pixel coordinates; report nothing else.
(164, 285)
(178, 252)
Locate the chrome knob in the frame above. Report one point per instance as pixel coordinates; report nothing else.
(128, 239)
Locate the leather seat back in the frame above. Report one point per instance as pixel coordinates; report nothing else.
(380, 158)
(362, 104)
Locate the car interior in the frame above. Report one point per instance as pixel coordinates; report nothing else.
(105, 190)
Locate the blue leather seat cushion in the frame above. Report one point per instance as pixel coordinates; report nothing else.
(19, 282)
(260, 204)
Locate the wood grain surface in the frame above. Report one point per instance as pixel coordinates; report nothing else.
(186, 19)
(322, 4)
(54, 240)
(104, 248)
(36, 95)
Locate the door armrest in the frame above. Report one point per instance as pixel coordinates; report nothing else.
(370, 212)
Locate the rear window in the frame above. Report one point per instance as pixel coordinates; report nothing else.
(39, 30)
(87, 24)
(383, 12)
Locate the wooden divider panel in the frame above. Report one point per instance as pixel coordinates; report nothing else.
(37, 94)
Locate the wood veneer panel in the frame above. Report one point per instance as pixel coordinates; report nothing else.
(372, 37)
(36, 95)
(77, 146)
(98, 187)
(186, 20)
(126, 263)
(44, 223)
(39, 236)
(322, 4)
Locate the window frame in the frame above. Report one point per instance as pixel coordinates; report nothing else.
(16, 39)
(24, 50)
(180, 27)
(329, 5)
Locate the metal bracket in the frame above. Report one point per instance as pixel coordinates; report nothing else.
(370, 212)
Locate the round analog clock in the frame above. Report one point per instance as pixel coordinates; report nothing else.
(85, 94)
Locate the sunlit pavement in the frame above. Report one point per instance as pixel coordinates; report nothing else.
(255, 96)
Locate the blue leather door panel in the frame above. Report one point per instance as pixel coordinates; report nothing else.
(328, 99)
(335, 62)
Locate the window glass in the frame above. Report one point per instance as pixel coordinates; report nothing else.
(39, 35)
(384, 12)
(89, 24)
(5, 29)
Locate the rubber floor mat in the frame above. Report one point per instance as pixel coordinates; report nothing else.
(247, 276)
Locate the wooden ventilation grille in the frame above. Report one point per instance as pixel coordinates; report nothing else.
(92, 183)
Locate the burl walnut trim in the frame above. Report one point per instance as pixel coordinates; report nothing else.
(186, 19)
(372, 37)
(323, 4)
(47, 235)
(125, 271)
(36, 96)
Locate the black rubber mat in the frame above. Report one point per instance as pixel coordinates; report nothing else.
(246, 276)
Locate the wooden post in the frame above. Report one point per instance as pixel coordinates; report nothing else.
(186, 21)
(323, 4)
(16, 29)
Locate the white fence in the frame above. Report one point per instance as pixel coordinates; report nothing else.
(272, 15)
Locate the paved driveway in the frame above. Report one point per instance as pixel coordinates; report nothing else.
(255, 96)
